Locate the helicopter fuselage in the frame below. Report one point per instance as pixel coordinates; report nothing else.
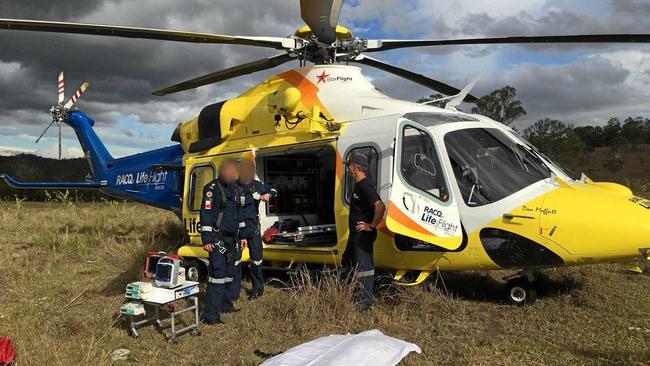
(463, 192)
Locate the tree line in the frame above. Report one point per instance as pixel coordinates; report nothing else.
(561, 141)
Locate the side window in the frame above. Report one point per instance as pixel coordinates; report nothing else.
(199, 177)
(370, 155)
(420, 166)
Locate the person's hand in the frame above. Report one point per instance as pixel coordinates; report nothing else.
(208, 248)
(266, 197)
(363, 226)
(243, 243)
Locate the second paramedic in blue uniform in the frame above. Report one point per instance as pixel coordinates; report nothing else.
(250, 193)
(219, 226)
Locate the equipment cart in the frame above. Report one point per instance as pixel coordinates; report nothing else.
(159, 298)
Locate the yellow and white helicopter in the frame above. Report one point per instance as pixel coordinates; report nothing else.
(463, 192)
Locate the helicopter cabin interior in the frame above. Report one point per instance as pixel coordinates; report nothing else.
(303, 210)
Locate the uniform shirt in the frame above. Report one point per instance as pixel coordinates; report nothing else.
(248, 199)
(362, 202)
(212, 205)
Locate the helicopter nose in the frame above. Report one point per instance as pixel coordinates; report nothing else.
(596, 224)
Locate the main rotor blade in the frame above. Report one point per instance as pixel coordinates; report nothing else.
(412, 76)
(390, 44)
(229, 73)
(322, 16)
(147, 33)
(45, 130)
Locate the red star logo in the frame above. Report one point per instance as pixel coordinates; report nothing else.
(322, 77)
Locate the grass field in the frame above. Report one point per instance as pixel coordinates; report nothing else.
(63, 269)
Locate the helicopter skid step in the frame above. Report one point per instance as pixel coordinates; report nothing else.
(399, 275)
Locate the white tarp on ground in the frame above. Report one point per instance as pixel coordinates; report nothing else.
(371, 348)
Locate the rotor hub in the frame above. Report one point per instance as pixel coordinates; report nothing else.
(59, 113)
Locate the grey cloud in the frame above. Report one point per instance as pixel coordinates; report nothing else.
(589, 91)
(123, 72)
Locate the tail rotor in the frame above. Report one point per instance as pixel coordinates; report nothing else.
(61, 110)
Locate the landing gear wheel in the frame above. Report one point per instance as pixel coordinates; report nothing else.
(196, 333)
(520, 291)
(195, 271)
(172, 340)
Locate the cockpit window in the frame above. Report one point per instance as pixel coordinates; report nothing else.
(432, 119)
(419, 163)
(548, 161)
(489, 166)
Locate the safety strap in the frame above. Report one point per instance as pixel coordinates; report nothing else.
(366, 273)
(223, 204)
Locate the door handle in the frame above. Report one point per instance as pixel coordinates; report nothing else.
(508, 216)
(404, 202)
(413, 202)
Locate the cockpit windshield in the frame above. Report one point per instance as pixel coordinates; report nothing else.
(547, 160)
(489, 166)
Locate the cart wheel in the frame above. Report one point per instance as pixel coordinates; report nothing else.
(196, 333)
(172, 340)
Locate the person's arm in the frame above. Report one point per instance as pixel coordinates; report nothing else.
(208, 216)
(242, 233)
(266, 191)
(380, 208)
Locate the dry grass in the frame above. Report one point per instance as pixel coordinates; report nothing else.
(53, 253)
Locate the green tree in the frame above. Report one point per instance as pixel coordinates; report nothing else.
(501, 105)
(555, 139)
(633, 131)
(611, 131)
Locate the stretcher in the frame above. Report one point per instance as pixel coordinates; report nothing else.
(307, 236)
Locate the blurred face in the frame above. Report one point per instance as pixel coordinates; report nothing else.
(355, 172)
(352, 169)
(246, 171)
(228, 173)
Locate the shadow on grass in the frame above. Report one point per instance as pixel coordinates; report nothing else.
(469, 285)
(482, 287)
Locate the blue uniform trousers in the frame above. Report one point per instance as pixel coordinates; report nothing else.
(220, 280)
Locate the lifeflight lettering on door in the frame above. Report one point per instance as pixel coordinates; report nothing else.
(435, 218)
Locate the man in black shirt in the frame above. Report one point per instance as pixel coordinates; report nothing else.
(366, 212)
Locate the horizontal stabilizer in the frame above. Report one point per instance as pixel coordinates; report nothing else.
(51, 185)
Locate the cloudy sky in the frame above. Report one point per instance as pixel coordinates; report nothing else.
(578, 84)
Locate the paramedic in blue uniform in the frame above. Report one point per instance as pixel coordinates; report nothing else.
(250, 193)
(366, 212)
(219, 226)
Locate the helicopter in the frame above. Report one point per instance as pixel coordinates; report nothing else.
(463, 192)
